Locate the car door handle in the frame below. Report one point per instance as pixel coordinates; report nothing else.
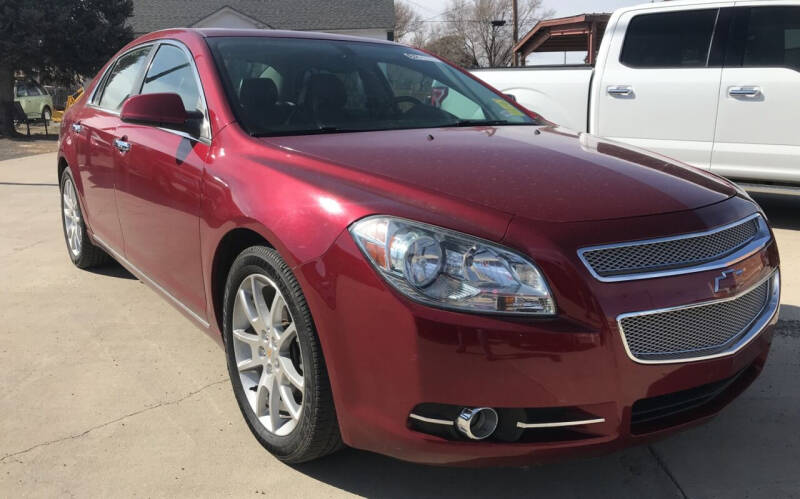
(620, 90)
(744, 91)
(122, 145)
(77, 127)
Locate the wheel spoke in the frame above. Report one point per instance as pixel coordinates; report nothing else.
(260, 306)
(275, 404)
(248, 364)
(276, 312)
(262, 394)
(290, 372)
(250, 339)
(285, 337)
(288, 401)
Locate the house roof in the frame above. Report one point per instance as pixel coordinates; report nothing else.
(152, 15)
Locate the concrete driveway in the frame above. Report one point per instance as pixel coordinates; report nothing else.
(108, 391)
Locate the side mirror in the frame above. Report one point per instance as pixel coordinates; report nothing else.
(511, 97)
(162, 110)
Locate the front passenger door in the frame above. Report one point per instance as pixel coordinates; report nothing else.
(661, 92)
(759, 100)
(159, 185)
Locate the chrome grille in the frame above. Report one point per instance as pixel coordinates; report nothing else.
(694, 331)
(670, 253)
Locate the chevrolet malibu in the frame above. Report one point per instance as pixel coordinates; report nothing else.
(398, 258)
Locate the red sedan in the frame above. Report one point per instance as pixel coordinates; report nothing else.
(398, 258)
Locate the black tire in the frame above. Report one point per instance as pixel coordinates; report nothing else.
(47, 113)
(88, 255)
(317, 431)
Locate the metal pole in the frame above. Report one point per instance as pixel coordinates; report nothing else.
(515, 32)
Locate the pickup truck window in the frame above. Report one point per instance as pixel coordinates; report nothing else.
(773, 38)
(328, 86)
(669, 39)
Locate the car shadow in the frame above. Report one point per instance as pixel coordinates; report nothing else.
(112, 269)
(373, 475)
(782, 210)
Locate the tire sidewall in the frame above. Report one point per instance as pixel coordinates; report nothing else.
(64, 176)
(265, 262)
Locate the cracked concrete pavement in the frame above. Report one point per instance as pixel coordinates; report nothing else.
(108, 391)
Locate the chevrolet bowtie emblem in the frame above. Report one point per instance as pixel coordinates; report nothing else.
(726, 275)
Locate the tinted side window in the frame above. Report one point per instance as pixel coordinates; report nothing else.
(22, 90)
(669, 39)
(120, 82)
(171, 72)
(773, 38)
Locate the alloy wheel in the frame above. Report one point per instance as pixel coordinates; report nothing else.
(267, 354)
(72, 218)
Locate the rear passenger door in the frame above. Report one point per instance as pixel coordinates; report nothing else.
(94, 132)
(661, 91)
(759, 101)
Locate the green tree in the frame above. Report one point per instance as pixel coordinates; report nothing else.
(61, 39)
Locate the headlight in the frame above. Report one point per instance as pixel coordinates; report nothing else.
(448, 269)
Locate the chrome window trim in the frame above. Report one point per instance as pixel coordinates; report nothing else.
(101, 83)
(133, 268)
(752, 330)
(760, 240)
(198, 81)
(156, 44)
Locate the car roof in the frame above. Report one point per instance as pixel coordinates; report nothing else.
(260, 33)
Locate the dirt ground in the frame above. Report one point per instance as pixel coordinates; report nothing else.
(37, 143)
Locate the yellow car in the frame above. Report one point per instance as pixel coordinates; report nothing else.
(34, 99)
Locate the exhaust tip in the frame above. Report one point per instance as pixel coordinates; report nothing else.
(477, 423)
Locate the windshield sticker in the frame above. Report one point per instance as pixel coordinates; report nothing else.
(420, 57)
(508, 107)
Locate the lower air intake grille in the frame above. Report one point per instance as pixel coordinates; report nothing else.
(693, 331)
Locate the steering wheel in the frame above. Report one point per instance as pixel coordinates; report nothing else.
(408, 99)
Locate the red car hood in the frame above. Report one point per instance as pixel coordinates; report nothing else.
(540, 173)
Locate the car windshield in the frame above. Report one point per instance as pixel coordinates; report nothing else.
(292, 86)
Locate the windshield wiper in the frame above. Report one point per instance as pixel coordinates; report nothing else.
(480, 122)
(308, 131)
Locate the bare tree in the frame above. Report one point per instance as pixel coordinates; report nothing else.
(486, 25)
(449, 45)
(407, 22)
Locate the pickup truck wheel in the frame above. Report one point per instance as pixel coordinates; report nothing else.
(81, 251)
(275, 361)
(47, 114)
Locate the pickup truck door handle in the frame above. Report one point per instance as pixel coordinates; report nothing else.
(620, 90)
(122, 145)
(744, 91)
(77, 127)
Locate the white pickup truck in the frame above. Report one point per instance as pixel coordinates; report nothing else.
(714, 84)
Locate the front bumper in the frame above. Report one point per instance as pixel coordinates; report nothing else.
(386, 355)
